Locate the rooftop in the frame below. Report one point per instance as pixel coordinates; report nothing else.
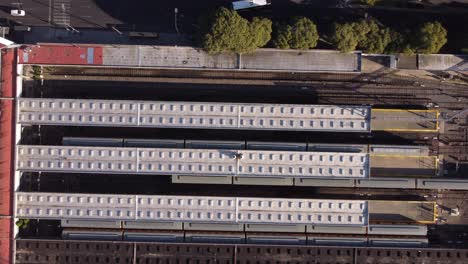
(83, 112)
(188, 208)
(207, 162)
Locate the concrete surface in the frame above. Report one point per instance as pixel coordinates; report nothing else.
(167, 57)
(294, 60)
(404, 120)
(443, 62)
(401, 212)
(262, 59)
(403, 166)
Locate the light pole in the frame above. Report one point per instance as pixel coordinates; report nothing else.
(175, 19)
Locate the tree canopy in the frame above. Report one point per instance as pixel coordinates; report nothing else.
(431, 37)
(374, 39)
(367, 35)
(229, 32)
(346, 36)
(261, 31)
(301, 34)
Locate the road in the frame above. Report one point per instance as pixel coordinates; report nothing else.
(159, 16)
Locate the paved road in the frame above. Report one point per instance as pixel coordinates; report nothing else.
(159, 16)
(153, 15)
(81, 13)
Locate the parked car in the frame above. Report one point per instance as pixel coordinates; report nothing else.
(17, 12)
(237, 5)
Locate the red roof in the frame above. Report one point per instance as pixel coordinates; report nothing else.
(61, 54)
(7, 141)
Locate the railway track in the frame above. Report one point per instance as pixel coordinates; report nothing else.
(380, 77)
(325, 95)
(100, 252)
(338, 85)
(325, 87)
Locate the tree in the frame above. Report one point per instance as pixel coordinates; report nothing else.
(22, 223)
(400, 43)
(283, 37)
(431, 37)
(301, 34)
(229, 32)
(408, 50)
(376, 39)
(347, 36)
(261, 29)
(365, 34)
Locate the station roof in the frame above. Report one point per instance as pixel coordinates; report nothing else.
(190, 209)
(205, 162)
(81, 112)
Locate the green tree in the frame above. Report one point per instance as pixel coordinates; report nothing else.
(301, 34)
(408, 50)
(376, 39)
(283, 37)
(229, 32)
(367, 35)
(22, 223)
(261, 29)
(347, 36)
(431, 37)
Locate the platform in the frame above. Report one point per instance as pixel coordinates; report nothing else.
(399, 120)
(179, 57)
(303, 60)
(442, 62)
(387, 165)
(402, 212)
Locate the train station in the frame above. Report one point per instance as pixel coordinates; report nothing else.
(130, 147)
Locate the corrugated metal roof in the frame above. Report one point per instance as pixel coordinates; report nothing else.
(190, 209)
(193, 115)
(206, 162)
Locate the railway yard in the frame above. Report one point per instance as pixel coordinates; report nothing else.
(158, 165)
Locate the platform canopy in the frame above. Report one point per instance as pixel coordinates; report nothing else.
(190, 209)
(203, 162)
(114, 113)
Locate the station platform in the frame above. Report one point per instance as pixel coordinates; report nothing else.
(191, 58)
(421, 212)
(383, 165)
(401, 120)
